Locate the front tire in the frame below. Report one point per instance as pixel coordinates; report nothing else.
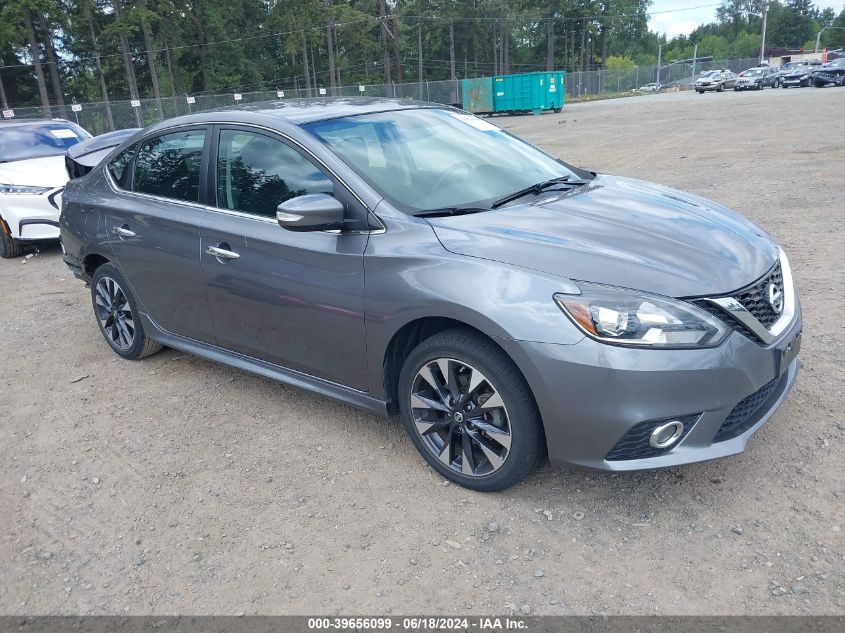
(469, 411)
(9, 246)
(116, 312)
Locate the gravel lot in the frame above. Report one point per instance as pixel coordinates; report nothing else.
(174, 485)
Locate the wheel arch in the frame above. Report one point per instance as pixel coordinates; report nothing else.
(92, 261)
(411, 334)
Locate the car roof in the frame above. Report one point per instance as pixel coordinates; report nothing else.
(15, 122)
(302, 111)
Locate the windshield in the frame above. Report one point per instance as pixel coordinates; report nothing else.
(754, 72)
(35, 140)
(426, 159)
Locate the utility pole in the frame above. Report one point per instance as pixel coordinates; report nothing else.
(385, 36)
(763, 38)
(659, 58)
(694, 57)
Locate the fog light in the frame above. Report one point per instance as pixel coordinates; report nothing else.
(666, 434)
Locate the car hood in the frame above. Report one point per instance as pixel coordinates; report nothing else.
(621, 232)
(47, 171)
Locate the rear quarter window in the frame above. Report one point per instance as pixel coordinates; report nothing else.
(119, 167)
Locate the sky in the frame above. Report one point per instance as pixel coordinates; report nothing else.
(682, 16)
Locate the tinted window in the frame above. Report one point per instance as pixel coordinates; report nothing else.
(119, 167)
(256, 173)
(169, 165)
(34, 140)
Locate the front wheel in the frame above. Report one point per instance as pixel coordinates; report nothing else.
(9, 246)
(721, 87)
(117, 315)
(469, 411)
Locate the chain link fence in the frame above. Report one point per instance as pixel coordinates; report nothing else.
(101, 117)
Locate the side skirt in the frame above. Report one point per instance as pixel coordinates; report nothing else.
(322, 387)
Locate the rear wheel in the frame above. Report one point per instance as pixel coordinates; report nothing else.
(117, 315)
(9, 246)
(469, 411)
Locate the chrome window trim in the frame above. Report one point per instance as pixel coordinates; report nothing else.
(205, 207)
(738, 311)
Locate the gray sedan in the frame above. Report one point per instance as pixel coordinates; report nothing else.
(412, 259)
(714, 80)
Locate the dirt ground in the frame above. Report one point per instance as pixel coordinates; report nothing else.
(174, 485)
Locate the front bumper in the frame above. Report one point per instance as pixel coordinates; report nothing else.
(591, 395)
(32, 217)
(749, 86)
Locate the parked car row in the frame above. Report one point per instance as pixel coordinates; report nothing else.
(792, 74)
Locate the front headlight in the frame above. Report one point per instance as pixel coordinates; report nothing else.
(23, 189)
(627, 317)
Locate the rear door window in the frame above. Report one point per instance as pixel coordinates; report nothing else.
(169, 165)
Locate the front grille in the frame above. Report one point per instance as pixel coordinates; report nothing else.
(634, 444)
(755, 298)
(743, 416)
(725, 317)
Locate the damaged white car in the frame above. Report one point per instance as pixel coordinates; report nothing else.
(32, 177)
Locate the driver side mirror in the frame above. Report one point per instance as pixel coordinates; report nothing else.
(311, 212)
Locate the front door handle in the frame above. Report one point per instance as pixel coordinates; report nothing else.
(221, 253)
(122, 231)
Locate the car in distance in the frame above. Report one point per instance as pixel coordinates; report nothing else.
(830, 74)
(411, 258)
(799, 77)
(788, 67)
(652, 87)
(758, 78)
(715, 80)
(32, 174)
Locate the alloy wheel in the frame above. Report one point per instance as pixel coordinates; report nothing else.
(460, 417)
(114, 313)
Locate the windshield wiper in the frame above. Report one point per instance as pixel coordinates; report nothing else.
(448, 212)
(536, 189)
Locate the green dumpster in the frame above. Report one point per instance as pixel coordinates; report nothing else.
(525, 92)
(477, 95)
(528, 92)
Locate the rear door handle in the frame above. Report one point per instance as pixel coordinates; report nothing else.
(122, 231)
(221, 253)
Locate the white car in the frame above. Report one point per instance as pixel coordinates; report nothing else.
(32, 177)
(653, 87)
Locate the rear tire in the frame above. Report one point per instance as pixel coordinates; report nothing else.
(481, 406)
(117, 315)
(9, 246)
